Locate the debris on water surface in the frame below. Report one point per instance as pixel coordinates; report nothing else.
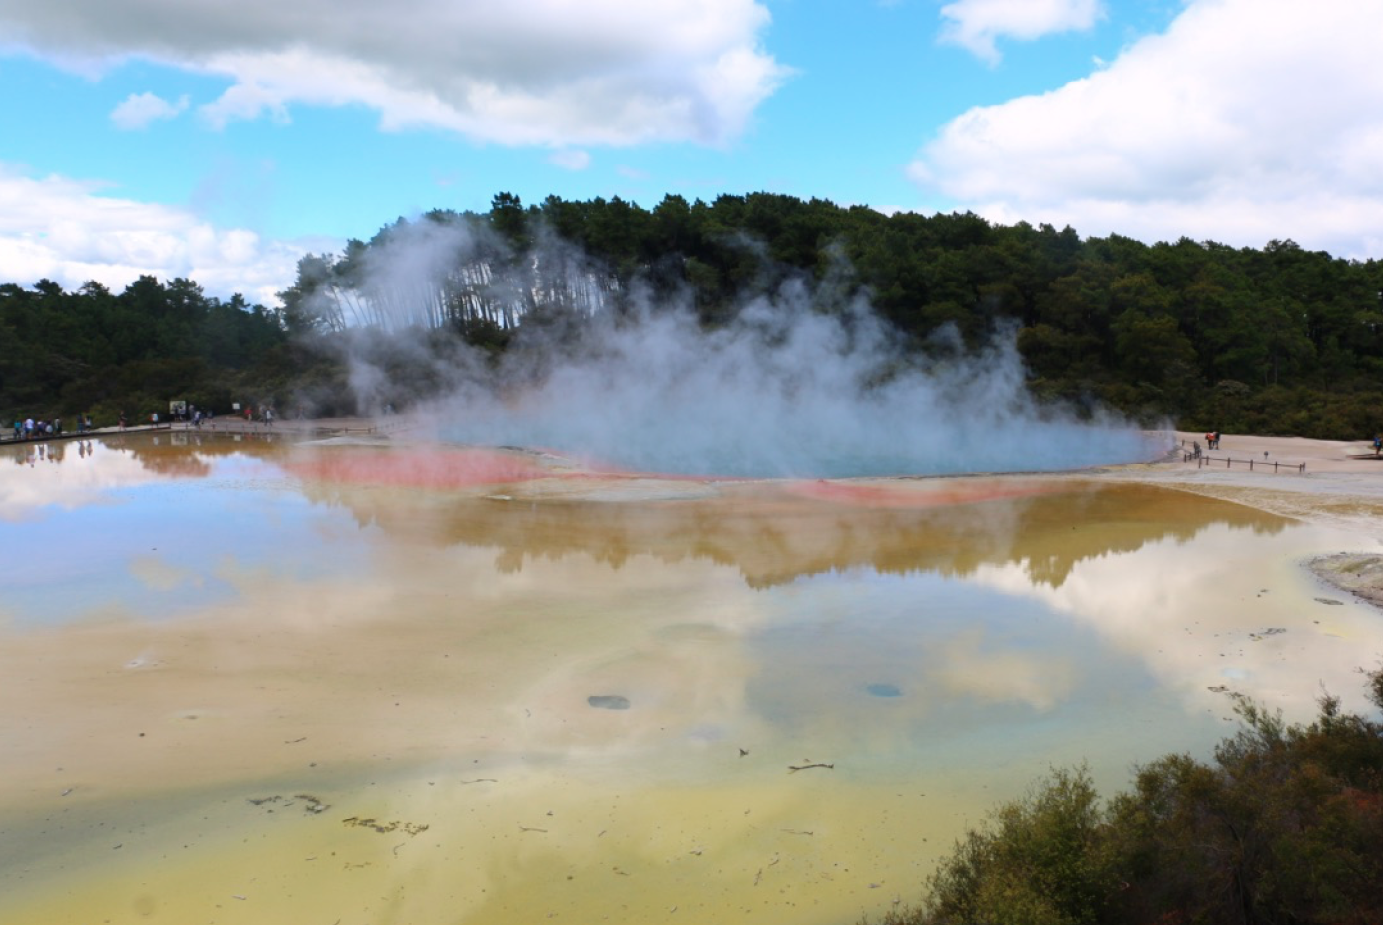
(314, 805)
(608, 702)
(412, 828)
(311, 804)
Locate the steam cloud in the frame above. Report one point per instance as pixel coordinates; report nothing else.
(783, 390)
(786, 392)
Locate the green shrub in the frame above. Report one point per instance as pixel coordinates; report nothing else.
(1038, 861)
(1283, 827)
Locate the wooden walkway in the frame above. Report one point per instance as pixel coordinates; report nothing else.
(234, 424)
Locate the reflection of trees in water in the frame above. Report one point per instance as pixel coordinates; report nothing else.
(770, 531)
(189, 453)
(774, 537)
(163, 458)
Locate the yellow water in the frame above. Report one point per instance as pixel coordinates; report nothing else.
(234, 692)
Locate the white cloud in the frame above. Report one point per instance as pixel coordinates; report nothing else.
(247, 101)
(975, 24)
(571, 159)
(1247, 120)
(140, 110)
(68, 231)
(512, 71)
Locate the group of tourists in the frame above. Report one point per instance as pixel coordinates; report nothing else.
(1212, 442)
(191, 414)
(29, 429)
(266, 414)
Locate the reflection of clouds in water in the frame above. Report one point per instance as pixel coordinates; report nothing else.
(967, 664)
(1194, 611)
(166, 548)
(161, 575)
(650, 601)
(71, 474)
(382, 631)
(669, 637)
(392, 661)
(970, 667)
(74, 481)
(684, 684)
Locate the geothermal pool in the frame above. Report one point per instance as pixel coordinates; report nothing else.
(252, 680)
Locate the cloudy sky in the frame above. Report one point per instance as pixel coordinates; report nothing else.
(221, 140)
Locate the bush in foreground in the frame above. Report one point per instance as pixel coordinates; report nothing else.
(1284, 826)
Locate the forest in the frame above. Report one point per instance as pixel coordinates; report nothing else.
(95, 352)
(1277, 340)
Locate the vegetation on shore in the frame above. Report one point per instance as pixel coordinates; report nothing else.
(1284, 825)
(1277, 340)
(101, 353)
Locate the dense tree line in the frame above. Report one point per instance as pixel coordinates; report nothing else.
(101, 353)
(1283, 827)
(1271, 340)
(1277, 340)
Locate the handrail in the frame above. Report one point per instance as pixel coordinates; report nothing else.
(1203, 461)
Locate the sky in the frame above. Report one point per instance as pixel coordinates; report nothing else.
(222, 141)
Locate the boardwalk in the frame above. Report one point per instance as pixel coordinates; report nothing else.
(236, 424)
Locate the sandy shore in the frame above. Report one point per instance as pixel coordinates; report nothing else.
(1330, 482)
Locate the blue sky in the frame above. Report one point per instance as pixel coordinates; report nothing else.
(221, 141)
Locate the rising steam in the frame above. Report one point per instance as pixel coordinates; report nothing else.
(784, 390)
